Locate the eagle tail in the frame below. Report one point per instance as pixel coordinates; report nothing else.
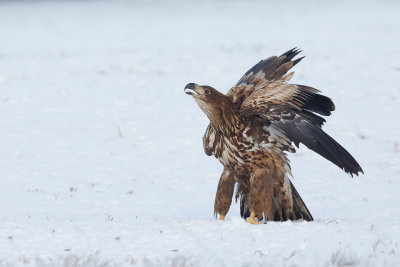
(299, 209)
(244, 206)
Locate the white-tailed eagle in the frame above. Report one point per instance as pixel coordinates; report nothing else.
(252, 128)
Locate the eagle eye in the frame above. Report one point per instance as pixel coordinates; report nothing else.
(207, 91)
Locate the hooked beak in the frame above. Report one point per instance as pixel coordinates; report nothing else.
(191, 89)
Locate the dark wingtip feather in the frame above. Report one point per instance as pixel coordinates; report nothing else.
(340, 156)
(291, 53)
(300, 130)
(272, 66)
(357, 172)
(320, 104)
(297, 60)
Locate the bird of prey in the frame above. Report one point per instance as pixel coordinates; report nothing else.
(251, 130)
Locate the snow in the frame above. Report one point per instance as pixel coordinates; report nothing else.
(101, 152)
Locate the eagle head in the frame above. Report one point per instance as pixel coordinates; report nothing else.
(206, 97)
(197, 91)
(204, 93)
(212, 102)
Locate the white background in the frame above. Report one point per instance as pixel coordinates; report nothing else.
(101, 158)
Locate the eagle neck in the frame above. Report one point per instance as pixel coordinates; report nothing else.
(227, 119)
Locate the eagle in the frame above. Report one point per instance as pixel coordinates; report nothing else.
(251, 130)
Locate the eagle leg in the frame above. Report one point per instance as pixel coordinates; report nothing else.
(223, 197)
(252, 218)
(261, 194)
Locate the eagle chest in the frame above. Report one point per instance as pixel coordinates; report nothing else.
(236, 151)
(232, 152)
(227, 151)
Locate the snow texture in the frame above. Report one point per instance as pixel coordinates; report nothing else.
(101, 159)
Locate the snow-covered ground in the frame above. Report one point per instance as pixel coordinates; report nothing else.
(101, 158)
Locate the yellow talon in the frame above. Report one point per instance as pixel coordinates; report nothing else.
(252, 219)
(221, 217)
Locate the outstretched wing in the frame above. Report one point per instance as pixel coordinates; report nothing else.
(264, 92)
(271, 69)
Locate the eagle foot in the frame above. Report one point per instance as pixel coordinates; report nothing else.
(221, 217)
(252, 219)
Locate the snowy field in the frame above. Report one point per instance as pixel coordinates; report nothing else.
(101, 160)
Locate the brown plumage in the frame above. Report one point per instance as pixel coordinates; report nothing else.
(251, 129)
